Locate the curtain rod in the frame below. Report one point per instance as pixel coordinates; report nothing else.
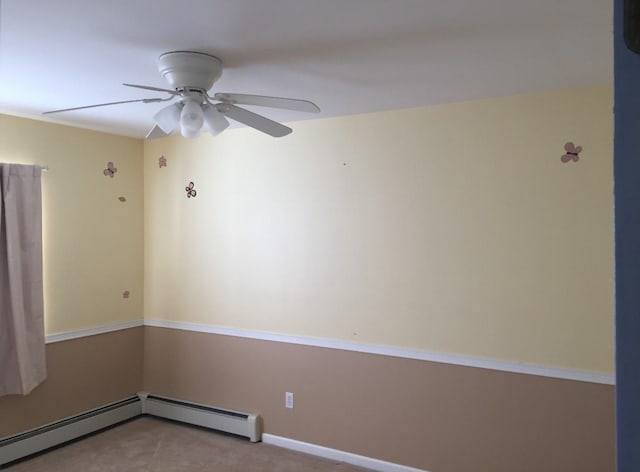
(42, 168)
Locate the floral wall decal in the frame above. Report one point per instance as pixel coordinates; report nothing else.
(125, 294)
(110, 170)
(572, 153)
(162, 162)
(191, 192)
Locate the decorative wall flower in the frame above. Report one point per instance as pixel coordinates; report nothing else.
(572, 153)
(110, 170)
(125, 294)
(162, 162)
(191, 192)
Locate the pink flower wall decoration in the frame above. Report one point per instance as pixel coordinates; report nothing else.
(162, 162)
(191, 192)
(110, 170)
(572, 153)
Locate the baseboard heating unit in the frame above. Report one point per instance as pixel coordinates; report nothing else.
(235, 422)
(30, 442)
(59, 432)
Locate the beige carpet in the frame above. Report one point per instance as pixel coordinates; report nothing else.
(148, 444)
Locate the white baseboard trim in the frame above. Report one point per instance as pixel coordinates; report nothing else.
(337, 455)
(81, 333)
(467, 361)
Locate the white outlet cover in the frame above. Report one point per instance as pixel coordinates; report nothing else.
(288, 399)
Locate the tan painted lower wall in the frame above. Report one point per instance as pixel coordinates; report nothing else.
(83, 373)
(438, 417)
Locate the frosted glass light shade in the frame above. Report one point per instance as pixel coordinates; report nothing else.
(168, 118)
(191, 118)
(214, 122)
(189, 132)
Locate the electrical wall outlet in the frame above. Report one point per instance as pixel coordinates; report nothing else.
(288, 399)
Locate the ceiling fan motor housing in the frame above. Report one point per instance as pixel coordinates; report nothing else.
(187, 69)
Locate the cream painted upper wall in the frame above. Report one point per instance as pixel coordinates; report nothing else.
(93, 243)
(453, 228)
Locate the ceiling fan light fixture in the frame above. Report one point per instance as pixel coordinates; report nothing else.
(168, 118)
(214, 122)
(191, 118)
(187, 132)
(191, 75)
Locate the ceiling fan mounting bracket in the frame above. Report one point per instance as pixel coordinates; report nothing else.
(190, 93)
(189, 70)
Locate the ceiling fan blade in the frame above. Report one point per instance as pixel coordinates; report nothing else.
(264, 101)
(259, 122)
(156, 89)
(144, 100)
(214, 121)
(156, 132)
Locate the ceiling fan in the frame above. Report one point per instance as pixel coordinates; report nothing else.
(191, 75)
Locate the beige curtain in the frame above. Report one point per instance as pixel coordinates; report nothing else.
(22, 343)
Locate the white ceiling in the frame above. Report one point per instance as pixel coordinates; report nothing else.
(347, 56)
